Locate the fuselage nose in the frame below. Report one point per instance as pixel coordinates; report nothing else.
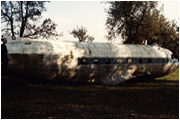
(175, 64)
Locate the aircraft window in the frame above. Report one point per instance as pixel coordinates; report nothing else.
(108, 61)
(129, 60)
(84, 60)
(149, 60)
(140, 60)
(119, 61)
(163, 60)
(27, 43)
(167, 60)
(96, 60)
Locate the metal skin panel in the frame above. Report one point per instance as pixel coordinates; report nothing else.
(60, 60)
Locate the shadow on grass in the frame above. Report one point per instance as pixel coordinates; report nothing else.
(22, 98)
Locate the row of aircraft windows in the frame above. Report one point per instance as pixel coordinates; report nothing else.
(121, 60)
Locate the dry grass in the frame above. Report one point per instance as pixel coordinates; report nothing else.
(153, 99)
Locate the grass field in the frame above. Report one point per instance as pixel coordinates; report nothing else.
(153, 99)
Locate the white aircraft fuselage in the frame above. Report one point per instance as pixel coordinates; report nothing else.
(107, 63)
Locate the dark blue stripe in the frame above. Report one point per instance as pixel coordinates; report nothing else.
(89, 61)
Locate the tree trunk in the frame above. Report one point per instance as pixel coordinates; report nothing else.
(12, 28)
(22, 20)
(23, 25)
(11, 21)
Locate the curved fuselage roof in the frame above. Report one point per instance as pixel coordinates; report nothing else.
(79, 49)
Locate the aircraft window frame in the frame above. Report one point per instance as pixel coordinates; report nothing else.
(149, 60)
(84, 60)
(163, 60)
(129, 60)
(120, 61)
(167, 60)
(108, 61)
(140, 60)
(95, 61)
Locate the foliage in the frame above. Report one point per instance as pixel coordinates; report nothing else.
(137, 21)
(46, 30)
(90, 39)
(81, 34)
(21, 17)
(126, 18)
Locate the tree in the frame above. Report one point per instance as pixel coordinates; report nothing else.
(125, 18)
(90, 39)
(21, 16)
(46, 30)
(81, 34)
(137, 21)
(9, 11)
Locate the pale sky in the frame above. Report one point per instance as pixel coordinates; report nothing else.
(90, 14)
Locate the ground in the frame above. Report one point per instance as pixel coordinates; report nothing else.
(153, 99)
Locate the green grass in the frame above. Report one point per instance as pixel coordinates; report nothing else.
(153, 99)
(173, 76)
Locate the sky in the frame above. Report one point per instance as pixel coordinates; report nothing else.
(90, 14)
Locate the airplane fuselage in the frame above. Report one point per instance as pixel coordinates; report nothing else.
(105, 63)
